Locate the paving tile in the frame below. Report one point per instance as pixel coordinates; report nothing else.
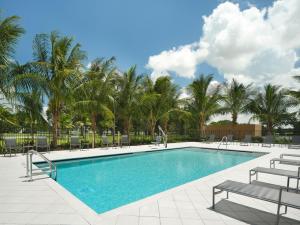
(127, 220)
(213, 222)
(189, 213)
(169, 212)
(166, 203)
(58, 219)
(149, 221)
(149, 210)
(170, 221)
(192, 222)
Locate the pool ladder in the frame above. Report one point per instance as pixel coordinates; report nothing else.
(50, 169)
(223, 140)
(165, 136)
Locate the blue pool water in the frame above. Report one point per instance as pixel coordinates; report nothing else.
(105, 183)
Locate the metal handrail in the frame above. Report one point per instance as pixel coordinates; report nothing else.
(222, 140)
(165, 136)
(29, 163)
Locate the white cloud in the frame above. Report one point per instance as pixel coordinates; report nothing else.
(251, 45)
(182, 60)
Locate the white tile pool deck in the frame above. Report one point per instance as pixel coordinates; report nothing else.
(43, 201)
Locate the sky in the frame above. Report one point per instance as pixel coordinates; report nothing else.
(180, 38)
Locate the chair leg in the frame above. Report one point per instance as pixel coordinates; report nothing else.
(278, 214)
(213, 199)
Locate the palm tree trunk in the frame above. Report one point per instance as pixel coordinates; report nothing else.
(234, 118)
(152, 125)
(202, 126)
(270, 127)
(31, 129)
(93, 119)
(127, 127)
(55, 128)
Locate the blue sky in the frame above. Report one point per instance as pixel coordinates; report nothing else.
(130, 30)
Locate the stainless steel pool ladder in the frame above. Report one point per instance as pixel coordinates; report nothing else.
(51, 169)
(165, 137)
(224, 139)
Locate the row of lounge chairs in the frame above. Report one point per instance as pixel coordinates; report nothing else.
(285, 196)
(10, 145)
(268, 141)
(41, 143)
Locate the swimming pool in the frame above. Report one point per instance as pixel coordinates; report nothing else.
(105, 183)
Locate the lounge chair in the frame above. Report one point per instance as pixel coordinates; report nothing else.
(105, 140)
(290, 155)
(10, 144)
(157, 140)
(279, 196)
(246, 140)
(125, 140)
(211, 138)
(230, 138)
(292, 162)
(268, 141)
(295, 142)
(280, 172)
(42, 143)
(75, 142)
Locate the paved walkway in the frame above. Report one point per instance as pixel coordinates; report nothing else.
(43, 201)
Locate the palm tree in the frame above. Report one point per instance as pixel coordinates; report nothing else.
(10, 31)
(271, 107)
(204, 103)
(58, 63)
(128, 97)
(236, 98)
(95, 91)
(158, 101)
(27, 98)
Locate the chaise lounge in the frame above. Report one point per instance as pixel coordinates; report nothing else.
(279, 196)
(279, 172)
(291, 162)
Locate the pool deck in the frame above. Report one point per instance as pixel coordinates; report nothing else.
(43, 201)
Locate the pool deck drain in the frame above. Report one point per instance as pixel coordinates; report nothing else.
(43, 201)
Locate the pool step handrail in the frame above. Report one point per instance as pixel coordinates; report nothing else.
(224, 139)
(29, 171)
(165, 136)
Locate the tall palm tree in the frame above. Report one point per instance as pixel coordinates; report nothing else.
(58, 63)
(158, 101)
(271, 107)
(95, 91)
(128, 97)
(10, 31)
(236, 98)
(204, 103)
(28, 98)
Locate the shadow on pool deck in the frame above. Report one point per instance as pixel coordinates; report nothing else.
(250, 215)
